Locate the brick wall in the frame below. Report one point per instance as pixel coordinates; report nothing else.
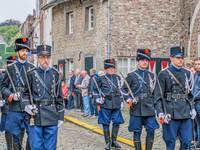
(151, 24)
(92, 43)
(187, 10)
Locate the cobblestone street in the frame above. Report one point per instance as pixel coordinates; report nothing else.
(75, 137)
(123, 131)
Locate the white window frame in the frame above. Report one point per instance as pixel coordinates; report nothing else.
(71, 23)
(71, 64)
(91, 21)
(128, 65)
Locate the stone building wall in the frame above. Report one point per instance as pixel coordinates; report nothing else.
(187, 14)
(83, 42)
(151, 24)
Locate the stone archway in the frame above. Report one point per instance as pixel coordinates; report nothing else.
(197, 8)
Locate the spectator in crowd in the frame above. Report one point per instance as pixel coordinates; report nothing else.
(92, 85)
(71, 90)
(193, 70)
(77, 91)
(65, 91)
(100, 73)
(84, 91)
(196, 97)
(189, 64)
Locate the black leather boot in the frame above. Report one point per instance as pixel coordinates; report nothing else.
(107, 139)
(21, 138)
(183, 149)
(17, 146)
(8, 137)
(149, 143)
(137, 143)
(114, 137)
(28, 147)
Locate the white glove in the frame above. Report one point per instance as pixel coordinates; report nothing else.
(16, 96)
(122, 105)
(193, 113)
(162, 115)
(134, 101)
(2, 102)
(31, 110)
(60, 122)
(100, 100)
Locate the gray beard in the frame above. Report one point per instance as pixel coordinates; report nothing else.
(44, 68)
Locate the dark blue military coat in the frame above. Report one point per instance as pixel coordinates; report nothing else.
(17, 106)
(49, 101)
(175, 101)
(4, 109)
(145, 105)
(110, 87)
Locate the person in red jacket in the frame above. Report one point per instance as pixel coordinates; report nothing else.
(65, 91)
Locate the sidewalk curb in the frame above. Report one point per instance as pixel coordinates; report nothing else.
(97, 130)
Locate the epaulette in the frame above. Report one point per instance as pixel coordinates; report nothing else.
(12, 63)
(31, 63)
(186, 69)
(31, 69)
(55, 70)
(165, 68)
(151, 72)
(132, 71)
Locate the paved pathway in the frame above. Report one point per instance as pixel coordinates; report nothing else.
(75, 137)
(123, 132)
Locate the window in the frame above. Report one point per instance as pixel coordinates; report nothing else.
(70, 23)
(126, 65)
(90, 18)
(71, 66)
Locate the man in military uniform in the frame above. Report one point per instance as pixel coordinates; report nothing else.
(45, 87)
(13, 86)
(4, 108)
(176, 84)
(142, 112)
(110, 102)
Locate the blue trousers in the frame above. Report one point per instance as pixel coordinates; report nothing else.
(182, 128)
(106, 115)
(3, 122)
(70, 101)
(86, 104)
(43, 138)
(136, 123)
(93, 108)
(15, 123)
(197, 119)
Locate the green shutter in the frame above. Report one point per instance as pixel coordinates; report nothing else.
(88, 64)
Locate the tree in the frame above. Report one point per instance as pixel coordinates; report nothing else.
(8, 32)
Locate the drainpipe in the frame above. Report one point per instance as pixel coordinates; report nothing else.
(108, 35)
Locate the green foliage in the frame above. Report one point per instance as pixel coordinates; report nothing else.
(5, 55)
(10, 49)
(8, 32)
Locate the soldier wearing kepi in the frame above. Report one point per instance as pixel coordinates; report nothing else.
(175, 84)
(45, 87)
(13, 86)
(142, 112)
(110, 102)
(4, 108)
